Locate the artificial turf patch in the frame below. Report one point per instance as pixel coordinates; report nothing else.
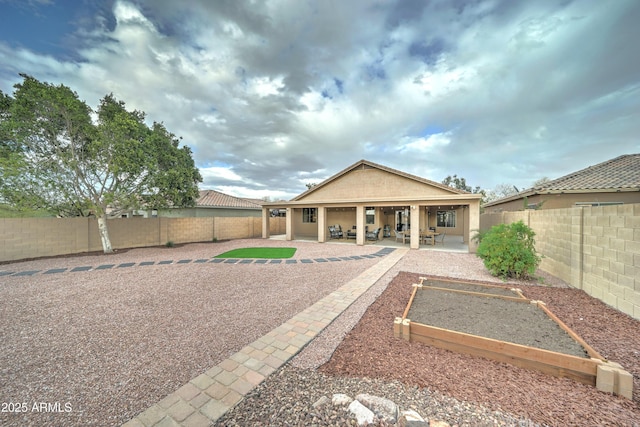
(269, 253)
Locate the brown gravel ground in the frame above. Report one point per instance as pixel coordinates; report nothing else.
(110, 343)
(370, 350)
(114, 342)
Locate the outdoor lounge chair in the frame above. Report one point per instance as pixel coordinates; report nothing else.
(373, 235)
(335, 233)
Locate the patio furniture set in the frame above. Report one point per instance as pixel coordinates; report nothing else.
(429, 236)
(335, 232)
(426, 237)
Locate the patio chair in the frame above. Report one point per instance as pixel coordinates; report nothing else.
(440, 239)
(400, 236)
(428, 238)
(334, 233)
(373, 235)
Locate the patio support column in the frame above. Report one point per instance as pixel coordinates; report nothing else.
(360, 225)
(474, 224)
(322, 220)
(289, 222)
(414, 220)
(266, 232)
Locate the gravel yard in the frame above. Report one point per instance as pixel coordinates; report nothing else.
(441, 385)
(112, 342)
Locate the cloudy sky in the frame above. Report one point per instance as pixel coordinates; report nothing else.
(271, 95)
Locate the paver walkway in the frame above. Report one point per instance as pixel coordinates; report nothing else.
(207, 397)
(88, 268)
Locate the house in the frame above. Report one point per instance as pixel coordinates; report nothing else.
(616, 181)
(212, 203)
(367, 195)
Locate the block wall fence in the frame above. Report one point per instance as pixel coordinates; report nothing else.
(40, 237)
(596, 249)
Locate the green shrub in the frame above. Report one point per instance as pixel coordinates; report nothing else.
(170, 244)
(508, 251)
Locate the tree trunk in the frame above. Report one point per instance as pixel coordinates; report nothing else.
(104, 234)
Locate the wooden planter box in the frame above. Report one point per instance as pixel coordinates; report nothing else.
(592, 370)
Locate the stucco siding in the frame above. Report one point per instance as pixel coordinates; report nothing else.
(372, 184)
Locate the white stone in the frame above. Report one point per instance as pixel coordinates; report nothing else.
(411, 415)
(385, 408)
(341, 399)
(363, 415)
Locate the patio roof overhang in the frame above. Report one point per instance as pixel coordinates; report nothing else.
(432, 200)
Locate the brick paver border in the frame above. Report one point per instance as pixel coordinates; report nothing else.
(207, 397)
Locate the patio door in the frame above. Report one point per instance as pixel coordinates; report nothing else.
(402, 220)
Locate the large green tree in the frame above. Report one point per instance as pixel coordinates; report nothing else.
(461, 184)
(58, 154)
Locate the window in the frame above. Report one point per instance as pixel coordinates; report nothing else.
(446, 218)
(309, 214)
(371, 215)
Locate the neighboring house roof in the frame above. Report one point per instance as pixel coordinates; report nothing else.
(619, 174)
(366, 163)
(216, 199)
(256, 201)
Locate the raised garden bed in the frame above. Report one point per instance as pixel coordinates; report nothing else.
(501, 324)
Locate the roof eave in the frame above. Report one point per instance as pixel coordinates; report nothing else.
(443, 199)
(544, 191)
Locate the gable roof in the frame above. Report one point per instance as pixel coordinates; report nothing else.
(618, 174)
(362, 164)
(216, 199)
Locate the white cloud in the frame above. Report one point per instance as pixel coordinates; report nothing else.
(283, 92)
(424, 145)
(219, 173)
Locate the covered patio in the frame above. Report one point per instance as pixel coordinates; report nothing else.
(450, 243)
(367, 197)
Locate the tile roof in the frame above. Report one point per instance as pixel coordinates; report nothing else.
(623, 172)
(216, 199)
(619, 174)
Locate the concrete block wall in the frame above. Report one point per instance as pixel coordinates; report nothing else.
(24, 238)
(38, 237)
(558, 241)
(127, 233)
(277, 225)
(596, 249)
(184, 230)
(612, 256)
(237, 228)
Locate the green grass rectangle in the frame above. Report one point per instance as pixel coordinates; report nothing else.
(269, 253)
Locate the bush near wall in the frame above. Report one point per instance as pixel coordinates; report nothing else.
(508, 250)
(596, 249)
